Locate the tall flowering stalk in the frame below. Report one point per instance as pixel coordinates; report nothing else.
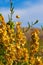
(34, 45)
(12, 44)
(7, 47)
(20, 36)
(22, 52)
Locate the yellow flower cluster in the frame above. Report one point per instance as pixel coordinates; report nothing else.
(13, 43)
(22, 53)
(34, 42)
(20, 37)
(7, 38)
(34, 45)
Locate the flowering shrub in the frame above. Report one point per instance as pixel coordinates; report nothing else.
(12, 46)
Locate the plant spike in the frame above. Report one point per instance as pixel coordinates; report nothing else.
(34, 45)
(11, 9)
(10, 22)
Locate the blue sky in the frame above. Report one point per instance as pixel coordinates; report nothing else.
(29, 10)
